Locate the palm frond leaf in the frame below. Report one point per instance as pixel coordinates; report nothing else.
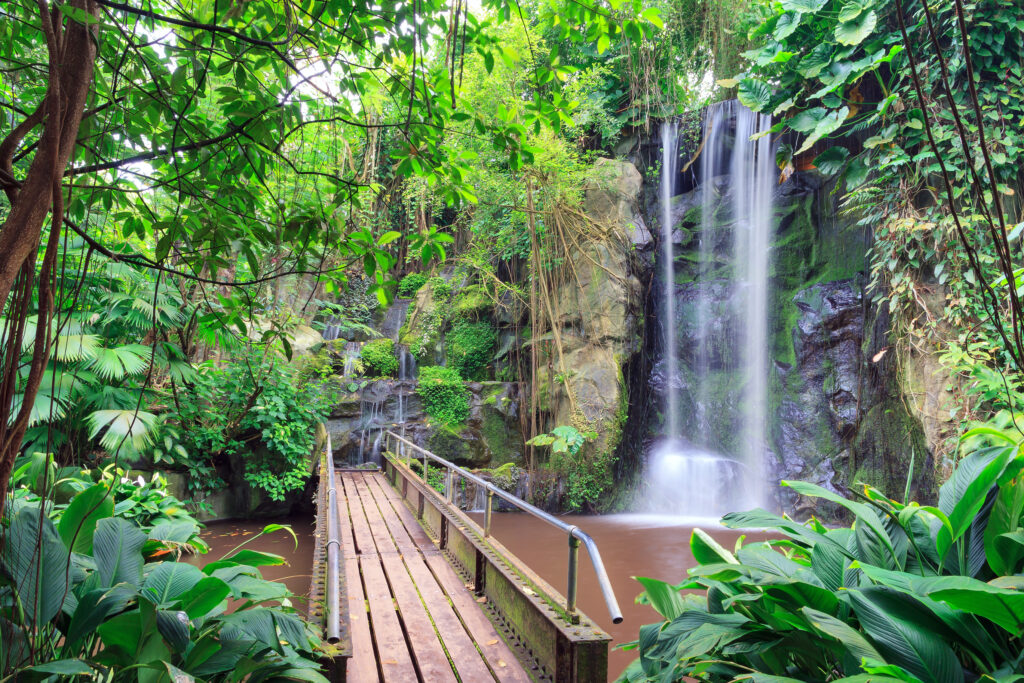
(121, 361)
(76, 347)
(134, 427)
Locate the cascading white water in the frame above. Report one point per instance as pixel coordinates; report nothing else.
(752, 172)
(687, 480)
(669, 159)
(352, 352)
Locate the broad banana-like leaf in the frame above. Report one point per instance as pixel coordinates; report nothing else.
(899, 634)
(77, 525)
(117, 549)
(39, 564)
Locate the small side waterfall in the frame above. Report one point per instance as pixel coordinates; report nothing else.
(712, 458)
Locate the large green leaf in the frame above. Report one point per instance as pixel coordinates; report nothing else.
(963, 495)
(168, 580)
(865, 514)
(78, 523)
(856, 30)
(1001, 606)
(663, 597)
(95, 607)
(39, 563)
(828, 125)
(117, 549)
(707, 550)
(122, 426)
(849, 637)
(121, 361)
(894, 626)
(754, 94)
(203, 597)
(803, 5)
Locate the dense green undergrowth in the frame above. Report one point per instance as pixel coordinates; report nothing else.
(93, 585)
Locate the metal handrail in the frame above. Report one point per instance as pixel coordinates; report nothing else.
(333, 616)
(576, 536)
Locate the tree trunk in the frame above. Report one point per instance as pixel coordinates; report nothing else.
(72, 54)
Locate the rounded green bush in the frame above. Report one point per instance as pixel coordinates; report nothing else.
(379, 359)
(440, 288)
(410, 284)
(445, 397)
(470, 347)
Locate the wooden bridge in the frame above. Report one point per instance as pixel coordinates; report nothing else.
(409, 588)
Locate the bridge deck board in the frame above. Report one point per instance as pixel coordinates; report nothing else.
(422, 623)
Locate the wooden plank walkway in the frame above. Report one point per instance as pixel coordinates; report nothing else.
(411, 616)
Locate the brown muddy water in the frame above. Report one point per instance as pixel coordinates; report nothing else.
(223, 537)
(630, 545)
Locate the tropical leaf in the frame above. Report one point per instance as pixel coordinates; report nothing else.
(754, 94)
(121, 361)
(849, 637)
(168, 580)
(856, 30)
(117, 549)
(895, 629)
(131, 426)
(663, 597)
(77, 524)
(963, 495)
(37, 561)
(1001, 606)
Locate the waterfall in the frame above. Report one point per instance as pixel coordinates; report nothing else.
(713, 460)
(669, 159)
(753, 170)
(351, 353)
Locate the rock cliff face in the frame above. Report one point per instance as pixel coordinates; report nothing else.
(602, 307)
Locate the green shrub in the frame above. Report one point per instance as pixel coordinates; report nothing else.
(908, 593)
(410, 284)
(440, 288)
(470, 347)
(93, 591)
(259, 409)
(445, 397)
(379, 359)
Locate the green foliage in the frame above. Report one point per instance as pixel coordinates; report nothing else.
(840, 76)
(93, 600)
(379, 359)
(586, 475)
(445, 397)
(439, 287)
(562, 439)
(410, 284)
(908, 593)
(470, 348)
(256, 409)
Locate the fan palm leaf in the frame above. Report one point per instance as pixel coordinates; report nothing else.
(134, 427)
(121, 361)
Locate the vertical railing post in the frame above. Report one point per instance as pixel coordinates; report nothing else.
(487, 513)
(570, 591)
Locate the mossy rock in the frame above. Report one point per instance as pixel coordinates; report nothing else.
(888, 440)
(471, 302)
